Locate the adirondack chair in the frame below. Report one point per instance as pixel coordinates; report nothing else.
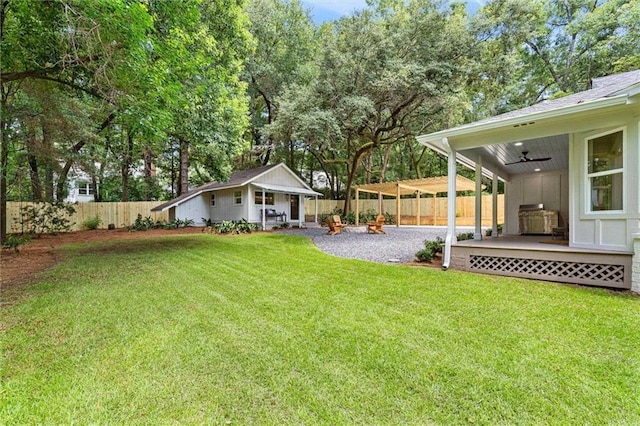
(375, 227)
(333, 229)
(337, 221)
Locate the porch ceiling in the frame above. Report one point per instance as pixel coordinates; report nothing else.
(431, 185)
(494, 157)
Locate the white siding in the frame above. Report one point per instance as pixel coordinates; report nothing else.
(226, 209)
(279, 176)
(194, 209)
(605, 230)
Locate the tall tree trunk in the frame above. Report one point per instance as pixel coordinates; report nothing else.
(4, 157)
(148, 172)
(36, 185)
(385, 164)
(126, 167)
(47, 160)
(184, 167)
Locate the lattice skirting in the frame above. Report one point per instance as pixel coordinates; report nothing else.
(552, 270)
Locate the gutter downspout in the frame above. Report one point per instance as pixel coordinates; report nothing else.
(451, 204)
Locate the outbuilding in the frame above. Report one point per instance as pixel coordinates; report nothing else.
(264, 195)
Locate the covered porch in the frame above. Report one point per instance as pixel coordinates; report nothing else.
(577, 157)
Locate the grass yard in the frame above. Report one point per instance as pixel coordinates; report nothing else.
(267, 329)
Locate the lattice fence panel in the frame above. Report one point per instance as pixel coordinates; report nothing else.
(550, 268)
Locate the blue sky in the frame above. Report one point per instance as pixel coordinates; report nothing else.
(327, 10)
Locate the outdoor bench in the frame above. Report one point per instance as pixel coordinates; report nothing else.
(268, 213)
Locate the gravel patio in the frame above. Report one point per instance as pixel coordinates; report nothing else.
(398, 245)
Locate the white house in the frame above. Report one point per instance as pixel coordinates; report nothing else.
(264, 195)
(577, 158)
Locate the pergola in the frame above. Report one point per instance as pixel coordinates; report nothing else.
(416, 187)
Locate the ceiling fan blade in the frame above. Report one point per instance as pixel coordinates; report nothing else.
(514, 162)
(538, 159)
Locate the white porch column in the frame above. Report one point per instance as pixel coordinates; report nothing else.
(635, 264)
(315, 216)
(477, 235)
(418, 213)
(451, 204)
(264, 213)
(494, 210)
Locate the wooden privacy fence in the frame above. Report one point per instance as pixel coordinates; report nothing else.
(432, 211)
(120, 214)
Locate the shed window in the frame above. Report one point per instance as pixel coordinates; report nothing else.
(605, 172)
(213, 199)
(85, 188)
(268, 198)
(237, 197)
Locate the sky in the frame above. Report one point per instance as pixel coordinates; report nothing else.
(328, 10)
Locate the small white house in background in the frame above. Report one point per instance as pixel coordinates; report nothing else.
(81, 189)
(265, 195)
(576, 157)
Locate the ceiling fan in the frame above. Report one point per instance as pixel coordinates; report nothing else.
(525, 159)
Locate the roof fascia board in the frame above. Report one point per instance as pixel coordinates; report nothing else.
(195, 194)
(514, 121)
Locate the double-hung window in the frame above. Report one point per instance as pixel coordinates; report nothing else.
(605, 172)
(237, 197)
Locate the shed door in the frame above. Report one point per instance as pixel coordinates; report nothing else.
(294, 214)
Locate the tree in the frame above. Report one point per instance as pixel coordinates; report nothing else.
(548, 48)
(380, 72)
(285, 44)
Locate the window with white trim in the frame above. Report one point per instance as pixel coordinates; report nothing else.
(237, 197)
(268, 198)
(85, 188)
(605, 171)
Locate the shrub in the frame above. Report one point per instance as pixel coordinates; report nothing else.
(431, 248)
(235, 227)
(146, 223)
(322, 217)
(178, 223)
(389, 219)
(465, 236)
(283, 225)
(489, 231)
(13, 241)
(46, 218)
(92, 223)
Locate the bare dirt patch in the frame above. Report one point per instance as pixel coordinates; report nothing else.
(44, 252)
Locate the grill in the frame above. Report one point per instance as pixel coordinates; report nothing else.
(534, 219)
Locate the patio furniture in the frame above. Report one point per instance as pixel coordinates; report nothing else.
(273, 213)
(338, 222)
(333, 228)
(375, 227)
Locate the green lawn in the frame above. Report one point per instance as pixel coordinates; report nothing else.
(267, 329)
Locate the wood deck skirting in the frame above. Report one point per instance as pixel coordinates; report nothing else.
(552, 263)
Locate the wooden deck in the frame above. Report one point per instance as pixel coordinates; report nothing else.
(542, 258)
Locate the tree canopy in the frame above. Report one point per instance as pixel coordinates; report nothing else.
(146, 99)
